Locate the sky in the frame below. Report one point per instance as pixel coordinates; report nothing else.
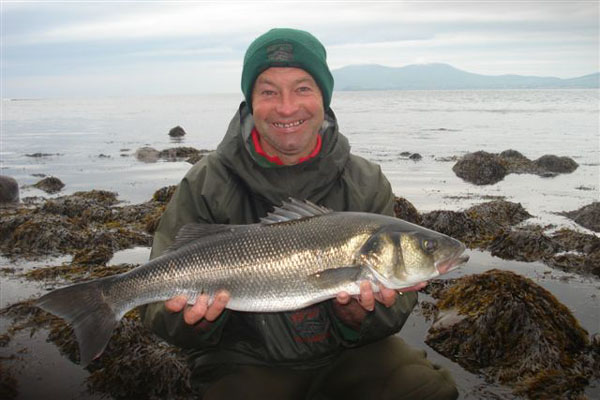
(114, 48)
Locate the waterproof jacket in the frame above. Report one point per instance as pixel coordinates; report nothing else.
(229, 187)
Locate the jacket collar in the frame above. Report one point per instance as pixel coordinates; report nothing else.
(310, 180)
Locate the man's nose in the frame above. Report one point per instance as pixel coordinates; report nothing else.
(287, 104)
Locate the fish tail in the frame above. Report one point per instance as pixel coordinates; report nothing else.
(84, 307)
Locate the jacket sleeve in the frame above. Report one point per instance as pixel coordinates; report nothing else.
(382, 321)
(185, 207)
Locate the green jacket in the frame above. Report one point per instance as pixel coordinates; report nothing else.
(229, 187)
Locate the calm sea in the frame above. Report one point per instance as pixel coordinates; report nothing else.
(91, 142)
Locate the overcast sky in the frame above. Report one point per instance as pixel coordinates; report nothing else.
(99, 48)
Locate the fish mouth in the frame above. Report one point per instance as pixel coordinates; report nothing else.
(451, 263)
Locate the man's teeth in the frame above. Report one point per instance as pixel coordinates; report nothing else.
(288, 125)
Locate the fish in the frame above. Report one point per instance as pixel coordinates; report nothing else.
(298, 255)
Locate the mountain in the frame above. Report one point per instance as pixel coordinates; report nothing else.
(444, 76)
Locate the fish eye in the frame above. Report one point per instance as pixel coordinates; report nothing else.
(429, 245)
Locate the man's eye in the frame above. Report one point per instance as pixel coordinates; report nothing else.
(304, 89)
(268, 92)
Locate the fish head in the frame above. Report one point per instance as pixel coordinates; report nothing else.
(401, 258)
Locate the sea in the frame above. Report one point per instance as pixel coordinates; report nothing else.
(90, 143)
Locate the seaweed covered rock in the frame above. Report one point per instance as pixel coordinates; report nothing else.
(70, 224)
(50, 185)
(480, 168)
(587, 216)
(513, 331)
(523, 245)
(552, 163)
(478, 225)
(404, 209)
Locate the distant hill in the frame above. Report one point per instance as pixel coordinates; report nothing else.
(444, 76)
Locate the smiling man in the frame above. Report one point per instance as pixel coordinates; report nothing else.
(283, 142)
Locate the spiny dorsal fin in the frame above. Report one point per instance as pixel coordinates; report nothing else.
(190, 232)
(292, 210)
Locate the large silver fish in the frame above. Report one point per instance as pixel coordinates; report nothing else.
(298, 255)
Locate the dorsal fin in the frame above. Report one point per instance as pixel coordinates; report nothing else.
(190, 232)
(292, 210)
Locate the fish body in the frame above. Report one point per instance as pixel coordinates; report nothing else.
(298, 255)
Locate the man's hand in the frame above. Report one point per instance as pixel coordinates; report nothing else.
(352, 311)
(200, 310)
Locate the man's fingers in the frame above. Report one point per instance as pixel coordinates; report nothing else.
(176, 304)
(217, 307)
(388, 296)
(367, 299)
(343, 298)
(195, 313)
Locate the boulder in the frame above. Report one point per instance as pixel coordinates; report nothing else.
(147, 154)
(513, 331)
(587, 216)
(50, 185)
(480, 168)
(9, 190)
(177, 131)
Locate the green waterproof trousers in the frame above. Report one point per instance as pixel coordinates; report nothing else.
(385, 370)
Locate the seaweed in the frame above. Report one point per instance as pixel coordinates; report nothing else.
(513, 331)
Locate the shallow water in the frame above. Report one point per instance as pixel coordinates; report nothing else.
(91, 143)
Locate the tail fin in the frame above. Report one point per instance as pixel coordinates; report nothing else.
(83, 306)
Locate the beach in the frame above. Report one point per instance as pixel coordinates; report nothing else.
(91, 144)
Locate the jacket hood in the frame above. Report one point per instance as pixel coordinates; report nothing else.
(309, 180)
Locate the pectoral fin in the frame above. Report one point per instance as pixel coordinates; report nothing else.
(333, 277)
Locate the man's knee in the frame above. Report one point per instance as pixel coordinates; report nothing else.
(416, 381)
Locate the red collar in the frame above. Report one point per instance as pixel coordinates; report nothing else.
(274, 159)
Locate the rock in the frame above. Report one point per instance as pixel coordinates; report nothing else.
(147, 154)
(512, 330)
(404, 209)
(480, 168)
(50, 185)
(9, 190)
(478, 225)
(195, 158)
(523, 245)
(177, 153)
(587, 216)
(557, 164)
(178, 131)
(483, 168)
(415, 157)
(163, 195)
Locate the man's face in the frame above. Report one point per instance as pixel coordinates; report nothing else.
(288, 112)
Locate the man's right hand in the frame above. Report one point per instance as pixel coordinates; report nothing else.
(201, 309)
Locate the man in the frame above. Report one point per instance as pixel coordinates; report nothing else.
(284, 142)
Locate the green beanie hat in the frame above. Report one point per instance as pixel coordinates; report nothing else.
(283, 47)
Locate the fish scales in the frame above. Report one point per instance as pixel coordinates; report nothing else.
(298, 255)
(250, 263)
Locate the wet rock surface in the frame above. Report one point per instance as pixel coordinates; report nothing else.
(587, 216)
(483, 168)
(513, 331)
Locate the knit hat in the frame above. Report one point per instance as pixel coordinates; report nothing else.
(284, 47)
